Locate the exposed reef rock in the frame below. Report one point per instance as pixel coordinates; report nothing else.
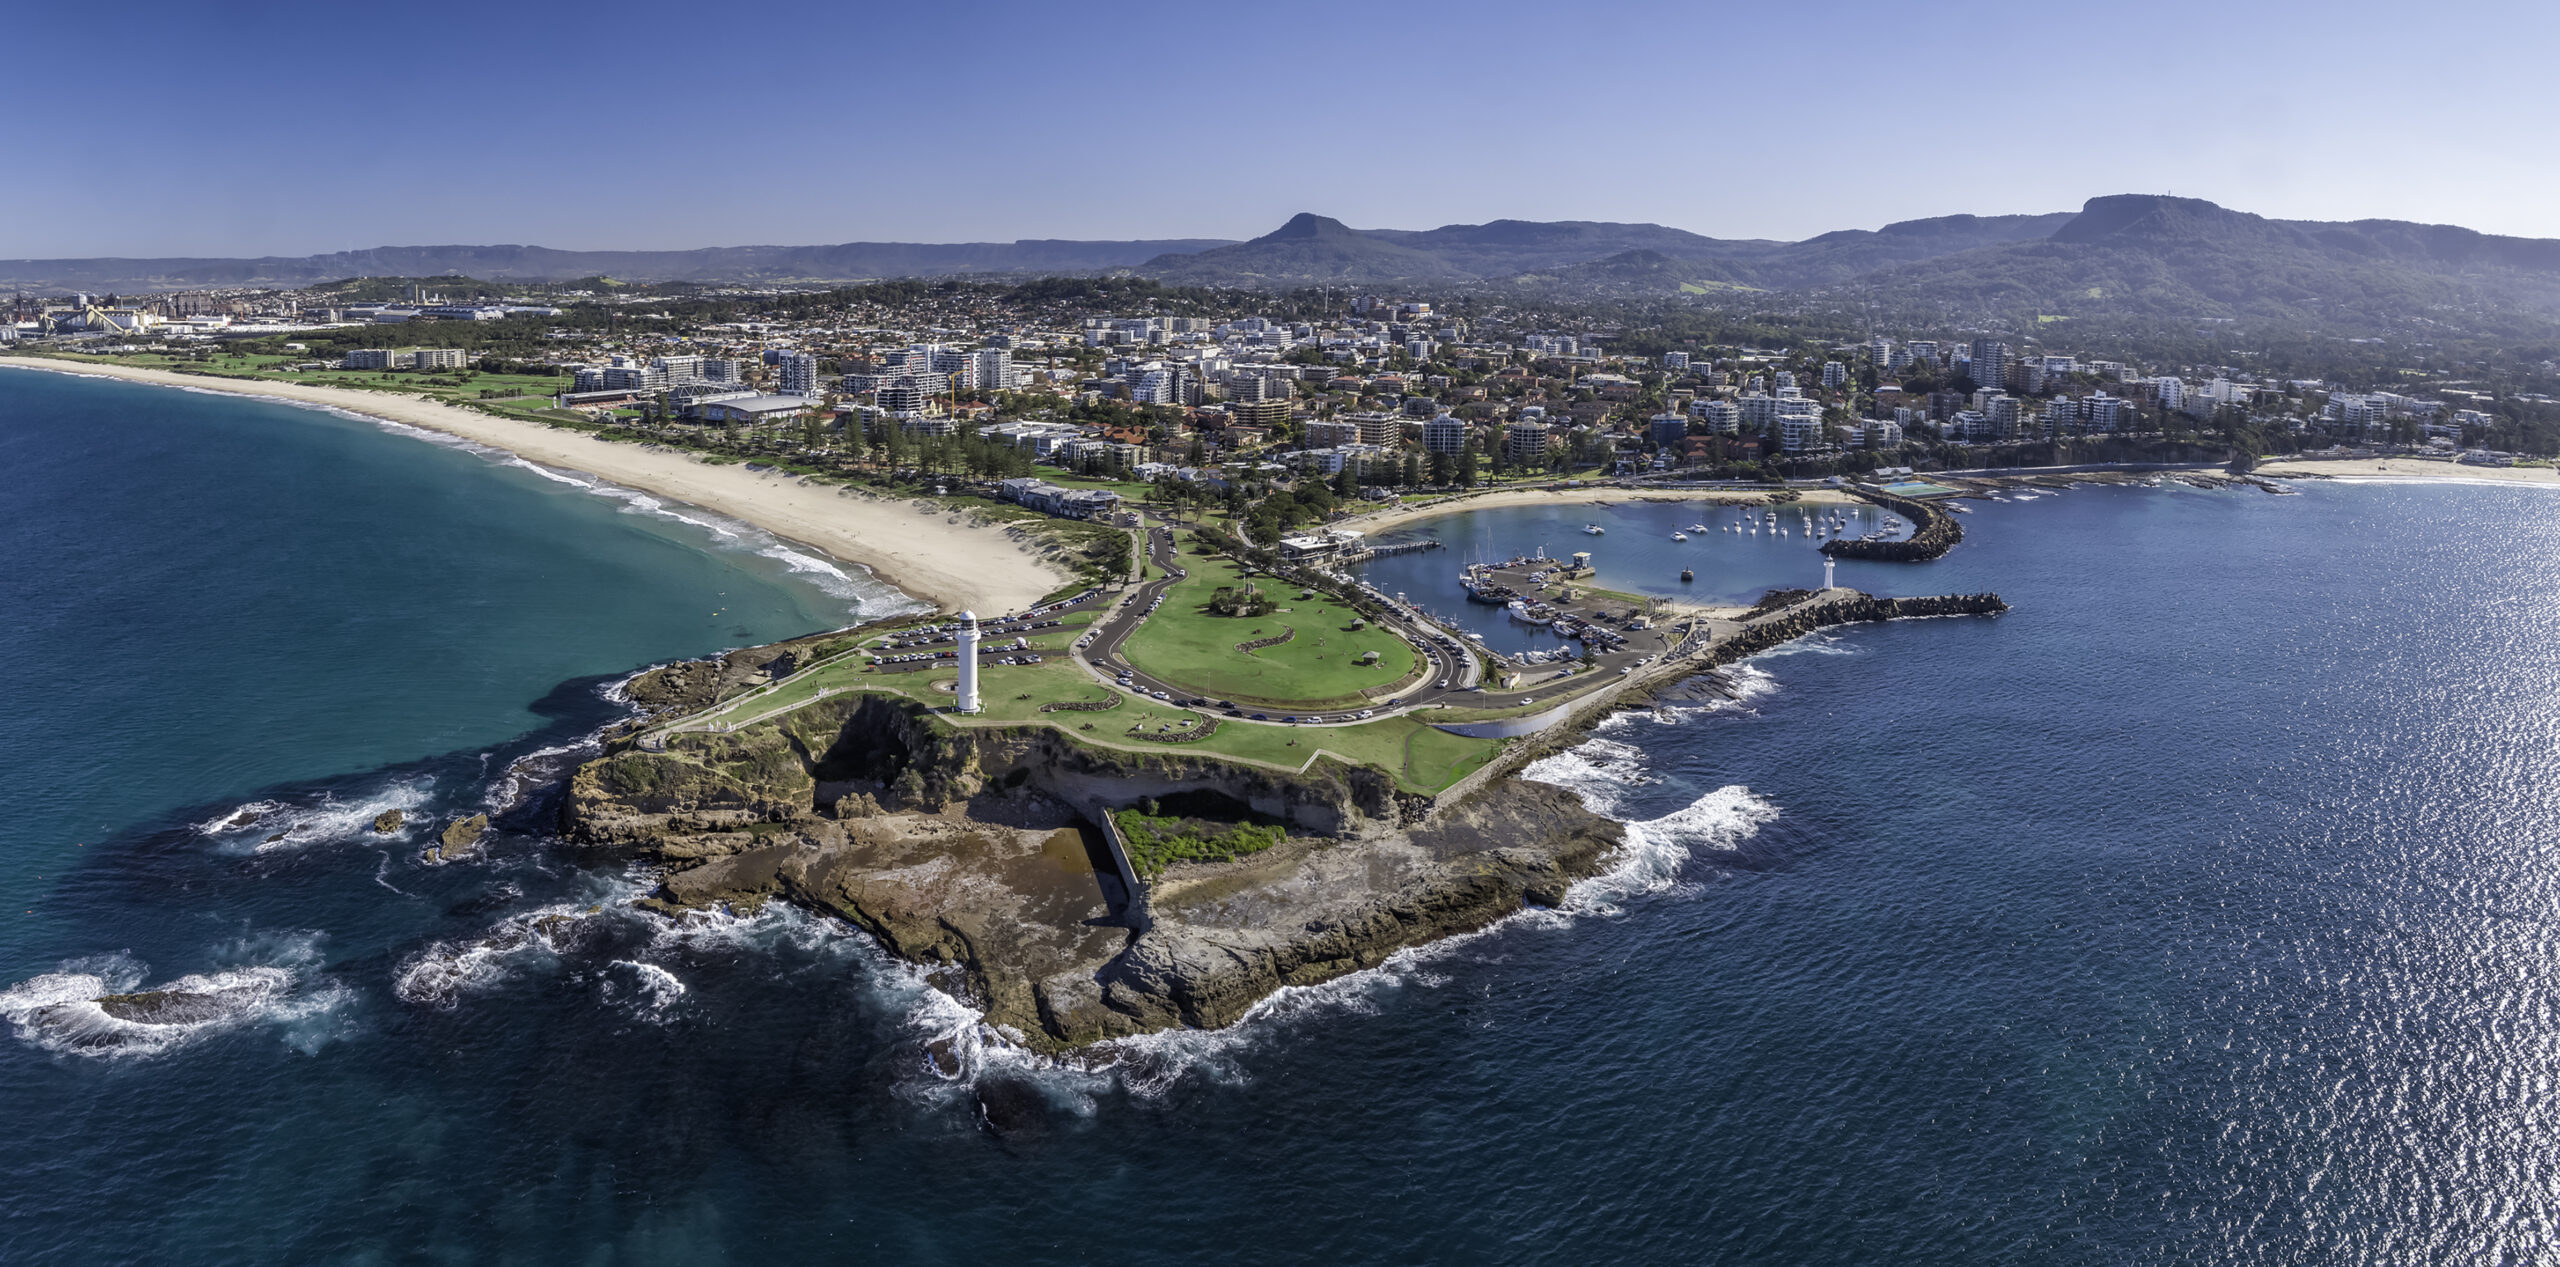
(988, 862)
(169, 1007)
(388, 821)
(461, 839)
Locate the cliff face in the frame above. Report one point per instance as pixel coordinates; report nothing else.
(974, 852)
(886, 752)
(1227, 935)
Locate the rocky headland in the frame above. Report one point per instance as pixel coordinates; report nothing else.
(983, 853)
(990, 854)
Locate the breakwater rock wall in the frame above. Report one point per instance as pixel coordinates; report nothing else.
(1777, 630)
(1934, 532)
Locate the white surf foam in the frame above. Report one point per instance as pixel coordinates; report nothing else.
(440, 975)
(1601, 771)
(1824, 642)
(271, 826)
(1657, 849)
(641, 987)
(1751, 682)
(535, 769)
(69, 1010)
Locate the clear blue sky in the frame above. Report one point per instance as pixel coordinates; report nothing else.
(291, 128)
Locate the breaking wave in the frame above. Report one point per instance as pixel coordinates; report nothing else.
(445, 971)
(271, 825)
(644, 987)
(1821, 642)
(99, 1006)
(539, 768)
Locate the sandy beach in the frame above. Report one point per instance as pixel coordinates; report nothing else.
(2407, 469)
(951, 564)
(1397, 516)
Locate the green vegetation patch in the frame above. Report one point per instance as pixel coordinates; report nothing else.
(1189, 645)
(1157, 841)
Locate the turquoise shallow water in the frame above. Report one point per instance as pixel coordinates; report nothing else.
(2202, 908)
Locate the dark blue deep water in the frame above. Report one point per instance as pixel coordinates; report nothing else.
(2201, 909)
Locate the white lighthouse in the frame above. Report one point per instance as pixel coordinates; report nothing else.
(968, 692)
(1827, 564)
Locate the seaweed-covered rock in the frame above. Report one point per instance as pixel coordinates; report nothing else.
(168, 1007)
(461, 838)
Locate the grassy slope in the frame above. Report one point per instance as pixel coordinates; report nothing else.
(1185, 645)
(1422, 759)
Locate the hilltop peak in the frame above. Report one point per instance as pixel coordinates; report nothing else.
(1306, 226)
(2152, 216)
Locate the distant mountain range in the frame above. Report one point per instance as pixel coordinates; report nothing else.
(849, 261)
(2125, 255)
(1313, 249)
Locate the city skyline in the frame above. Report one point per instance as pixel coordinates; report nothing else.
(644, 127)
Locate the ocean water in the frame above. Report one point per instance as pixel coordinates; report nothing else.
(2202, 908)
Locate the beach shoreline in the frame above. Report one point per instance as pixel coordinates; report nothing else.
(926, 555)
(2431, 469)
(1376, 521)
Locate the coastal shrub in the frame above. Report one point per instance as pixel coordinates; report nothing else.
(1157, 842)
(1246, 600)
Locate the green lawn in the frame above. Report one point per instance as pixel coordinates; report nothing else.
(521, 391)
(1421, 758)
(1318, 669)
